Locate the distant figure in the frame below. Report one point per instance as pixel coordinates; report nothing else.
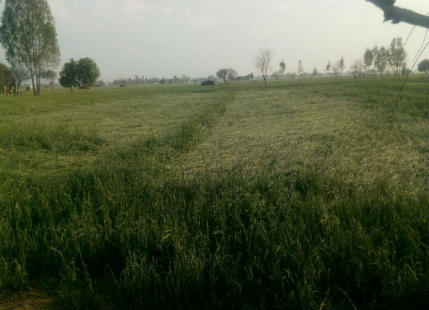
(208, 83)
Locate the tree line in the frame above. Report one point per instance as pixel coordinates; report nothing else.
(381, 60)
(29, 38)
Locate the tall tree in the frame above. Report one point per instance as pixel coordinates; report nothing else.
(381, 59)
(315, 71)
(341, 64)
(300, 68)
(282, 67)
(397, 55)
(368, 59)
(339, 67)
(222, 74)
(357, 68)
(232, 74)
(29, 37)
(328, 67)
(263, 63)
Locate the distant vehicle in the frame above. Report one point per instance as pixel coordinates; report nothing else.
(208, 83)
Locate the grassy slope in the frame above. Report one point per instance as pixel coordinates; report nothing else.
(305, 194)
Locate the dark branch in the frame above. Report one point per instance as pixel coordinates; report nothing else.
(397, 14)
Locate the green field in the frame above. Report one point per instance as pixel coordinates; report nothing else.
(311, 194)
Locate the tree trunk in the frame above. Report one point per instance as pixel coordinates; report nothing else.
(37, 84)
(17, 85)
(32, 81)
(39, 76)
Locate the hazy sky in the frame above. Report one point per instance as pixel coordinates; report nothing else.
(197, 37)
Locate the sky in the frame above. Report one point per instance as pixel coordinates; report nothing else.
(164, 38)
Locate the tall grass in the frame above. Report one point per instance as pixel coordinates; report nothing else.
(216, 241)
(131, 231)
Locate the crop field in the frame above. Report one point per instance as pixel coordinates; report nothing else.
(311, 194)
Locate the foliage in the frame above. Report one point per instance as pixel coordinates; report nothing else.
(29, 37)
(328, 67)
(80, 74)
(226, 74)
(423, 66)
(6, 77)
(397, 55)
(315, 71)
(368, 58)
(281, 73)
(300, 69)
(20, 74)
(381, 59)
(358, 68)
(282, 66)
(338, 68)
(392, 59)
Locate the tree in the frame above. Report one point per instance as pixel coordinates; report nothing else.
(263, 63)
(300, 68)
(315, 72)
(6, 77)
(20, 74)
(404, 70)
(396, 55)
(226, 74)
(223, 75)
(381, 59)
(281, 73)
(397, 14)
(341, 65)
(69, 75)
(80, 74)
(29, 37)
(338, 68)
(282, 67)
(424, 66)
(328, 67)
(231, 75)
(368, 59)
(357, 68)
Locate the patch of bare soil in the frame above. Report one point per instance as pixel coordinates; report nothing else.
(29, 300)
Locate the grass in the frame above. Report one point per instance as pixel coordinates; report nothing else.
(309, 195)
